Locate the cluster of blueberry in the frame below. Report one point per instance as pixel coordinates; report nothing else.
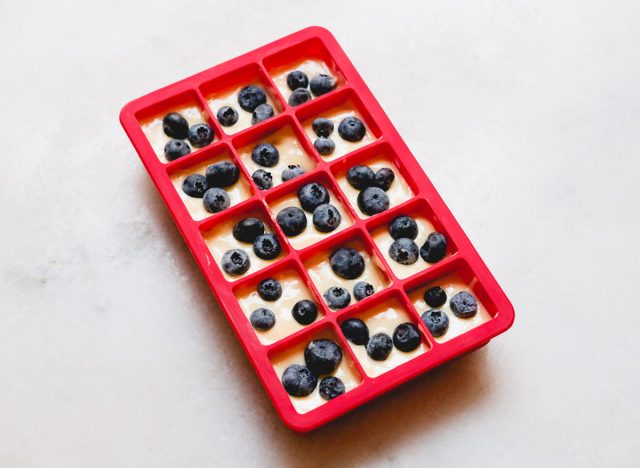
(210, 187)
(177, 128)
(322, 358)
(314, 198)
(267, 155)
(250, 99)
(406, 338)
(463, 305)
(347, 263)
(266, 246)
(404, 250)
(372, 198)
(350, 129)
(297, 81)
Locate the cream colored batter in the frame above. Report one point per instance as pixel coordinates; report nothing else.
(309, 67)
(230, 98)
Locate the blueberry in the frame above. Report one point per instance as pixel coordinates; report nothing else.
(322, 84)
(297, 79)
(384, 178)
(403, 226)
(322, 356)
(195, 185)
(175, 126)
(248, 229)
(266, 246)
(304, 311)
(379, 346)
(222, 174)
(362, 289)
(291, 172)
(326, 217)
(297, 380)
(351, 129)
(347, 263)
(434, 249)
(262, 112)
(435, 297)
(175, 149)
(312, 195)
(200, 135)
(322, 127)
(337, 297)
(227, 116)
(406, 337)
(299, 96)
(262, 319)
(265, 154)
(324, 146)
(404, 251)
(331, 387)
(251, 97)
(373, 200)
(270, 289)
(235, 262)
(292, 220)
(436, 321)
(262, 179)
(355, 330)
(215, 200)
(463, 305)
(360, 177)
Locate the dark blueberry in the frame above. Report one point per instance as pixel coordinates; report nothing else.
(227, 116)
(322, 127)
(351, 129)
(251, 97)
(463, 305)
(292, 220)
(248, 229)
(360, 177)
(373, 200)
(404, 251)
(312, 195)
(299, 96)
(266, 246)
(355, 330)
(347, 263)
(379, 346)
(384, 178)
(324, 146)
(262, 319)
(235, 262)
(435, 297)
(297, 79)
(215, 200)
(362, 289)
(436, 321)
(291, 172)
(270, 289)
(200, 135)
(434, 249)
(403, 226)
(322, 356)
(265, 154)
(337, 298)
(222, 174)
(297, 380)
(331, 387)
(322, 84)
(262, 112)
(262, 179)
(326, 218)
(406, 337)
(304, 311)
(175, 149)
(175, 126)
(195, 185)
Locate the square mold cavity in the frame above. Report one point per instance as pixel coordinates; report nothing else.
(311, 234)
(383, 316)
(218, 236)
(294, 289)
(223, 91)
(290, 355)
(183, 168)
(188, 105)
(456, 277)
(336, 107)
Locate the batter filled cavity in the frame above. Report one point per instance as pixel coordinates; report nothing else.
(303, 82)
(242, 107)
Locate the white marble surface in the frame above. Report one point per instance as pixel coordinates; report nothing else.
(526, 115)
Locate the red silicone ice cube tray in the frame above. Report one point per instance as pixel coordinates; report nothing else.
(399, 290)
